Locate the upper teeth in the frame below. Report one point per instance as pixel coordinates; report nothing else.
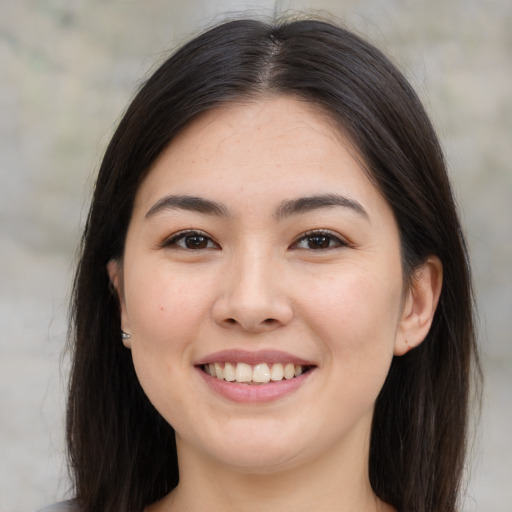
(261, 373)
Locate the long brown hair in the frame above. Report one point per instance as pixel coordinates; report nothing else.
(122, 453)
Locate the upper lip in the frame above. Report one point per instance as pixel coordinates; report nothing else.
(253, 357)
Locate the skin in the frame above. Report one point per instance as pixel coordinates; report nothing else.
(257, 282)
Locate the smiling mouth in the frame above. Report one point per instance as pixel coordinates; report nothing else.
(257, 374)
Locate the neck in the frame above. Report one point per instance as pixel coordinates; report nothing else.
(321, 484)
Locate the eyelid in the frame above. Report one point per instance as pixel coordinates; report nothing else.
(341, 241)
(171, 240)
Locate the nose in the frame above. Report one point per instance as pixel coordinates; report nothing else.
(252, 296)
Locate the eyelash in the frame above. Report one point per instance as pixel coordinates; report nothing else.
(201, 236)
(319, 234)
(183, 235)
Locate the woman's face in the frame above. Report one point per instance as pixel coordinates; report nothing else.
(258, 246)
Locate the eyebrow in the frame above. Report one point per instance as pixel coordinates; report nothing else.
(190, 203)
(286, 209)
(309, 203)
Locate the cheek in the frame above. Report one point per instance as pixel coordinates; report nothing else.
(160, 303)
(165, 312)
(352, 319)
(356, 316)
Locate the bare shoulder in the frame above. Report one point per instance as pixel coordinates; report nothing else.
(63, 506)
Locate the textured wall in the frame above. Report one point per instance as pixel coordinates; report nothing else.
(69, 67)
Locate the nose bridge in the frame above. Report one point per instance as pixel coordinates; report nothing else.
(252, 296)
(253, 271)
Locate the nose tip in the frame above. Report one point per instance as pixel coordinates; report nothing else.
(253, 301)
(254, 321)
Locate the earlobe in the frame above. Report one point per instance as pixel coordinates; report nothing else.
(115, 273)
(420, 305)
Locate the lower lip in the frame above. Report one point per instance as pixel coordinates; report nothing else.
(246, 393)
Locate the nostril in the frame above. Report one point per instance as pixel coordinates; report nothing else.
(267, 321)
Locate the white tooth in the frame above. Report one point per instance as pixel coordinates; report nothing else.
(219, 371)
(277, 372)
(213, 373)
(298, 370)
(261, 373)
(243, 372)
(229, 372)
(289, 371)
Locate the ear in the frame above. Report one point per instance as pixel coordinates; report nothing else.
(115, 273)
(419, 305)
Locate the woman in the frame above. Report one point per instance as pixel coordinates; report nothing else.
(273, 306)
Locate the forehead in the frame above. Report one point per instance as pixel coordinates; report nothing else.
(277, 121)
(266, 146)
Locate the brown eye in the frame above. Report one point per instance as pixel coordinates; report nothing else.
(319, 240)
(195, 242)
(191, 240)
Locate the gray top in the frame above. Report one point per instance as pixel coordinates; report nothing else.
(63, 506)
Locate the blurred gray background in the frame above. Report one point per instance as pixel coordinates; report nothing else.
(68, 69)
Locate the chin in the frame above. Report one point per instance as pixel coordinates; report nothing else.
(262, 460)
(257, 450)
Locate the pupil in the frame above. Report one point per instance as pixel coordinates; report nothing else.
(196, 242)
(319, 242)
